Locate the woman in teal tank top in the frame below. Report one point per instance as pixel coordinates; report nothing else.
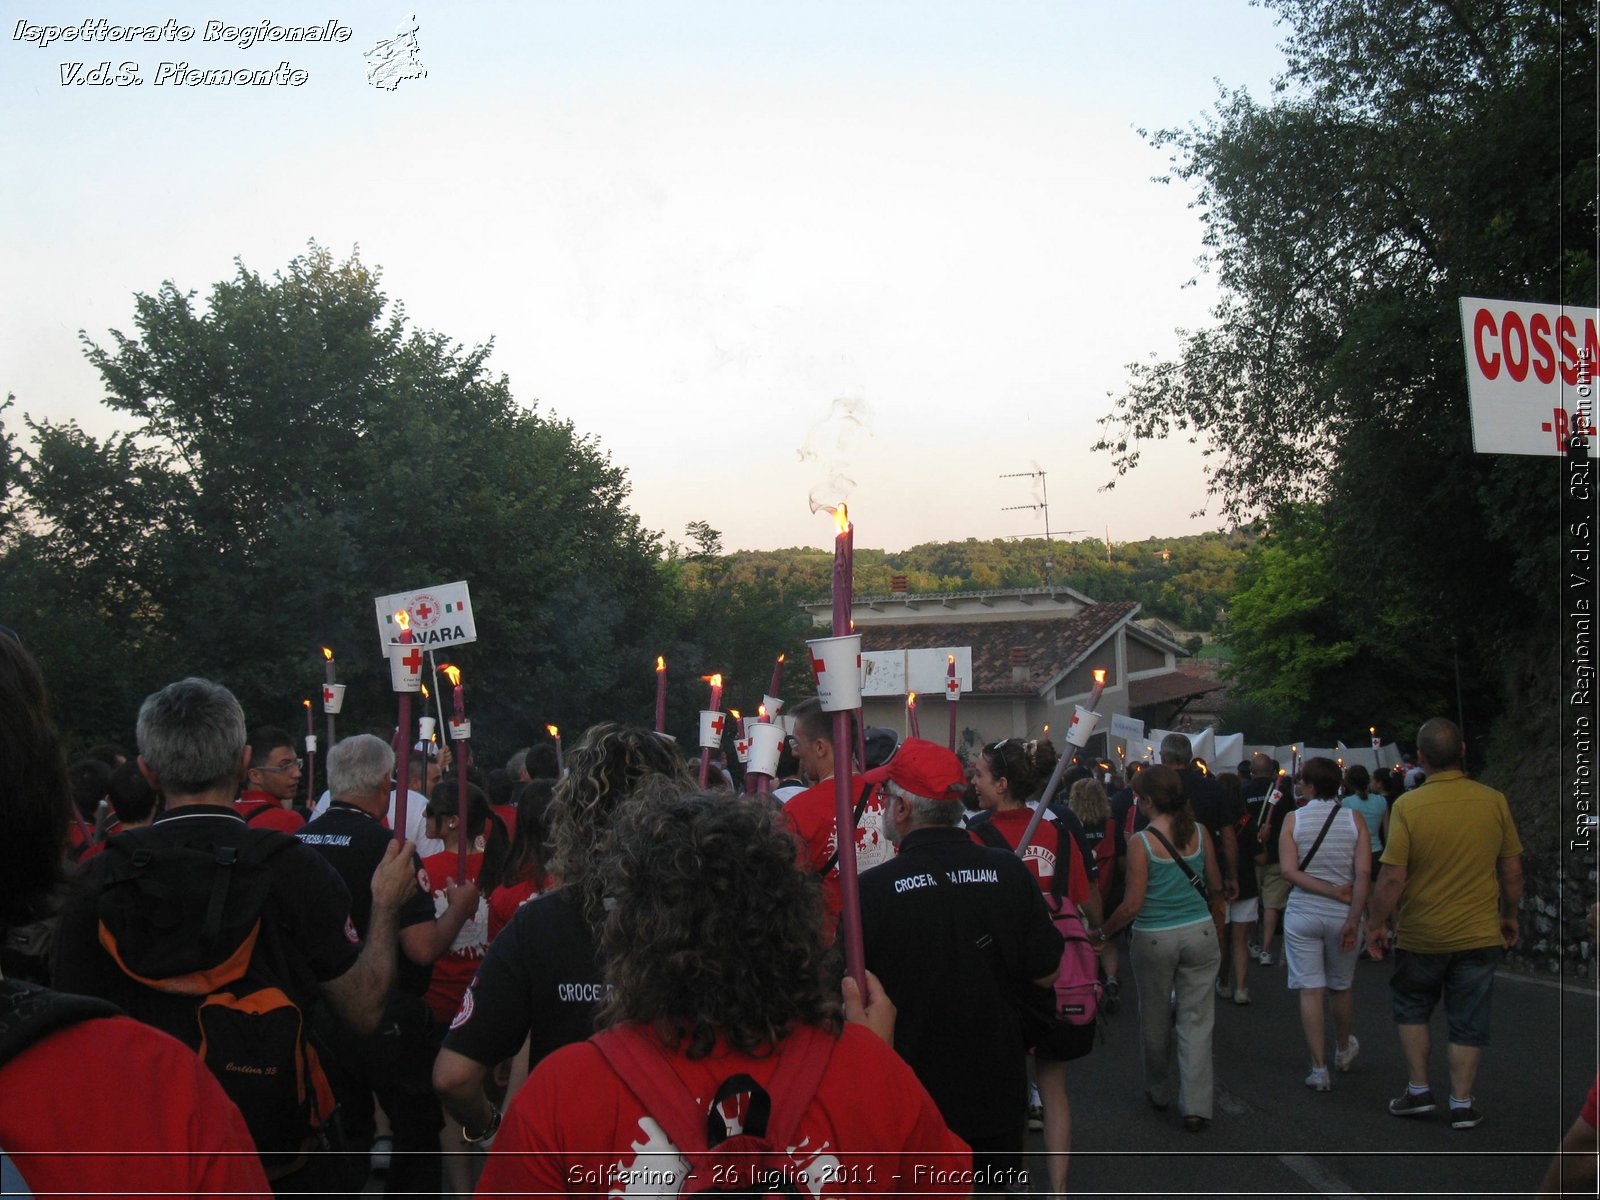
(1175, 951)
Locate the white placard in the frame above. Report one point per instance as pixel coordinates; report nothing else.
(927, 671)
(441, 615)
(883, 672)
(1530, 374)
(1130, 728)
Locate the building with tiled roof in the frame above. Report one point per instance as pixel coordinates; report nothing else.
(1033, 654)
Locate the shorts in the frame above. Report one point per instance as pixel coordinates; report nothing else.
(1465, 980)
(1311, 944)
(1065, 1042)
(1274, 887)
(1243, 912)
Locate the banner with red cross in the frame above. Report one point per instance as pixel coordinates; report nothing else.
(441, 615)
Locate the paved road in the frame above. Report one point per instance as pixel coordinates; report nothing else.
(1273, 1136)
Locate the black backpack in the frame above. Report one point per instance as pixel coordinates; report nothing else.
(186, 921)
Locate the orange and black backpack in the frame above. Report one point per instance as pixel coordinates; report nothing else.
(189, 925)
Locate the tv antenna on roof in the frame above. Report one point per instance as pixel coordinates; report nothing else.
(1041, 505)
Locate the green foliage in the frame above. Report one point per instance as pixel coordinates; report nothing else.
(1415, 152)
(296, 450)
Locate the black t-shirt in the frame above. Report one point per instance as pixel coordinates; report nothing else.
(307, 931)
(541, 977)
(957, 1026)
(354, 843)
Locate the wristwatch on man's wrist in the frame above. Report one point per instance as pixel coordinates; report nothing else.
(477, 1139)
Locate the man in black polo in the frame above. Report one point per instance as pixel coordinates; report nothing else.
(955, 931)
(396, 1063)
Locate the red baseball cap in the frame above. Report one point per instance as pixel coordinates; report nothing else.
(922, 768)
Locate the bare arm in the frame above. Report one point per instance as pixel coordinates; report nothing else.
(1572, 1170)
(458, 1081)
(1391, 882)
(1230, 863)
(424, 942)
(1510, 871)
(360, 994)
(1132, 893)
(1213, 871)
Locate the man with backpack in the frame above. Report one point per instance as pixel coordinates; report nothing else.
(957, 932)
(224, 935)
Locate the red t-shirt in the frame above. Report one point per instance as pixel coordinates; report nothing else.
(285, 820)
(811, 816)
(1040, 856)
(505, 901)
(576, 1129)
(113, 1108)
(454, 969)
(1591, 1106)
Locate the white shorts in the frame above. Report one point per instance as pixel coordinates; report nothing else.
(1243, 912)
(1311, 944)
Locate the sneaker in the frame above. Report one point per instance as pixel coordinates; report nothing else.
(1222, 989)
(1035, 1117)
(1465, 1118)
(1241, 996)
(1408, 1105)
(1113, 997)
(1265, 958)
(1343, 1058)
(1319, 1080)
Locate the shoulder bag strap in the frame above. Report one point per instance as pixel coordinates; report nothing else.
(644, 1070)
(1326, 825)
(861, 807)
(1198, 883)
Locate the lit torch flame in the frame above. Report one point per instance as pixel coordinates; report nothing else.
(454, 673)
(307, 703)
(403, 619)
(781, 657)
(661, 663)
(841, 517)
(735, 713)
(761, 712)
(714, 680)
(1100, 676)
(425, 692)
(552, 731)
(327, 654)
(911, 700)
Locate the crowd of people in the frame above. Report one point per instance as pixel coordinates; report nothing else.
(637, 984)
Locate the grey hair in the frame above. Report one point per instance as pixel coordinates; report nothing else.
(1176, 748)
(925, 810)
(192, 735)
(516, 762)
(360, 766)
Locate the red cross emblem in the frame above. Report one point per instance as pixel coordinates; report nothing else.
(817, 665)
(717, 724)
(412, 661)
(953, 686)
(327, 694)
(424, 611)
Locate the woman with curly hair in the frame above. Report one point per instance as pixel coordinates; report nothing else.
(719, 1025)
(540, 982)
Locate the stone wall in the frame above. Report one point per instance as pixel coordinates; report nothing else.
(1555, 900)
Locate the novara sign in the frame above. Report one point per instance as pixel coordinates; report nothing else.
(1530, 374)
(440, 616)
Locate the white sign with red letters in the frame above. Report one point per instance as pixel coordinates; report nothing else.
(1530, 374)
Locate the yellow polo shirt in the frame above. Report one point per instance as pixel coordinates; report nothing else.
(1448, 834)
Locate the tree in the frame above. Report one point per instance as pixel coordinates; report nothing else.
(1416, 151)
(296, 450)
